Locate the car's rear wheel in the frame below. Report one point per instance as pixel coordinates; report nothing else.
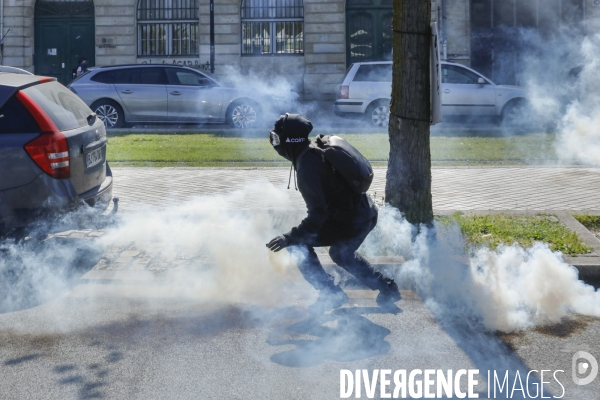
(110, 113)
(243, 114)
(378, 114)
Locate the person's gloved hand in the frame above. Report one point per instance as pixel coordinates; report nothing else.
(280, 242)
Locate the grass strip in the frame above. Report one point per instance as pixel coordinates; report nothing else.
(230, 148)
(592, 222)
(524, 230)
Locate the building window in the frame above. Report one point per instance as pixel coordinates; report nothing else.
(272, 27)
(167, 28)
(546, 15)
(368, 30)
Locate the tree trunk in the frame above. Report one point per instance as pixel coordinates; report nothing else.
(408, 180)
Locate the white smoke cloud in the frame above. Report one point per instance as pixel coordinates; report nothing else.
(391, 236)
(279, 94)
(579, 137)
(220, 246)
(281, 89)
(32, 273)
(212, 249)
(509, 289)
(560, 73)
(519, 288)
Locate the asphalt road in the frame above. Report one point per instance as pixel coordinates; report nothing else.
(121, 348)
(129, 339)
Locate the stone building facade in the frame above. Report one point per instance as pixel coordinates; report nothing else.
(115, 31)
(319, 38)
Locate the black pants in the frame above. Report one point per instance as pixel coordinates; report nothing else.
(343, 240)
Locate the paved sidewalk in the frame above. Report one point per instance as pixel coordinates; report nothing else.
(558, 190)
(454, 189)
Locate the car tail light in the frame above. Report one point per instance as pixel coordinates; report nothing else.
(344, 91)
(50, 150)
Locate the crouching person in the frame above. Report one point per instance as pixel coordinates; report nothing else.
(337, 217)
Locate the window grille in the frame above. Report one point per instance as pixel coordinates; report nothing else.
(369, 33)
(167, 28)
(545, 15)
(272, 27)
(64, 8)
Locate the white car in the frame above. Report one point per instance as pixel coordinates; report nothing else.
(366, 89)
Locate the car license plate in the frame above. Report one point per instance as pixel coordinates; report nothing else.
(93, 158)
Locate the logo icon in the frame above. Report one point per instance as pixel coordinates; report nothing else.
(581, 368)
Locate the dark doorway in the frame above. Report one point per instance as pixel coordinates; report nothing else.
(368, 30)
(64, 33)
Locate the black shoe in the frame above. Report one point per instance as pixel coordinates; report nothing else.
(388, 295)
(328, 300)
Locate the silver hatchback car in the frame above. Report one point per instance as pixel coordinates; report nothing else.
(366, 89)
(146, 93)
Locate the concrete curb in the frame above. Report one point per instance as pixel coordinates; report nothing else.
(584, 234)
(588, 265)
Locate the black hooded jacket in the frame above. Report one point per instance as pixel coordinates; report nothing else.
(328, 198)
(327, 195)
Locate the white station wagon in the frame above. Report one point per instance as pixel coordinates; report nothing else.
(366, 89)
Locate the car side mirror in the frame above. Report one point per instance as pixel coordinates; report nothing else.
(481, 81)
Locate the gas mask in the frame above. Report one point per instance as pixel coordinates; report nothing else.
(278, 146)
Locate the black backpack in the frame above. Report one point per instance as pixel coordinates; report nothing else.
(354, 168)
